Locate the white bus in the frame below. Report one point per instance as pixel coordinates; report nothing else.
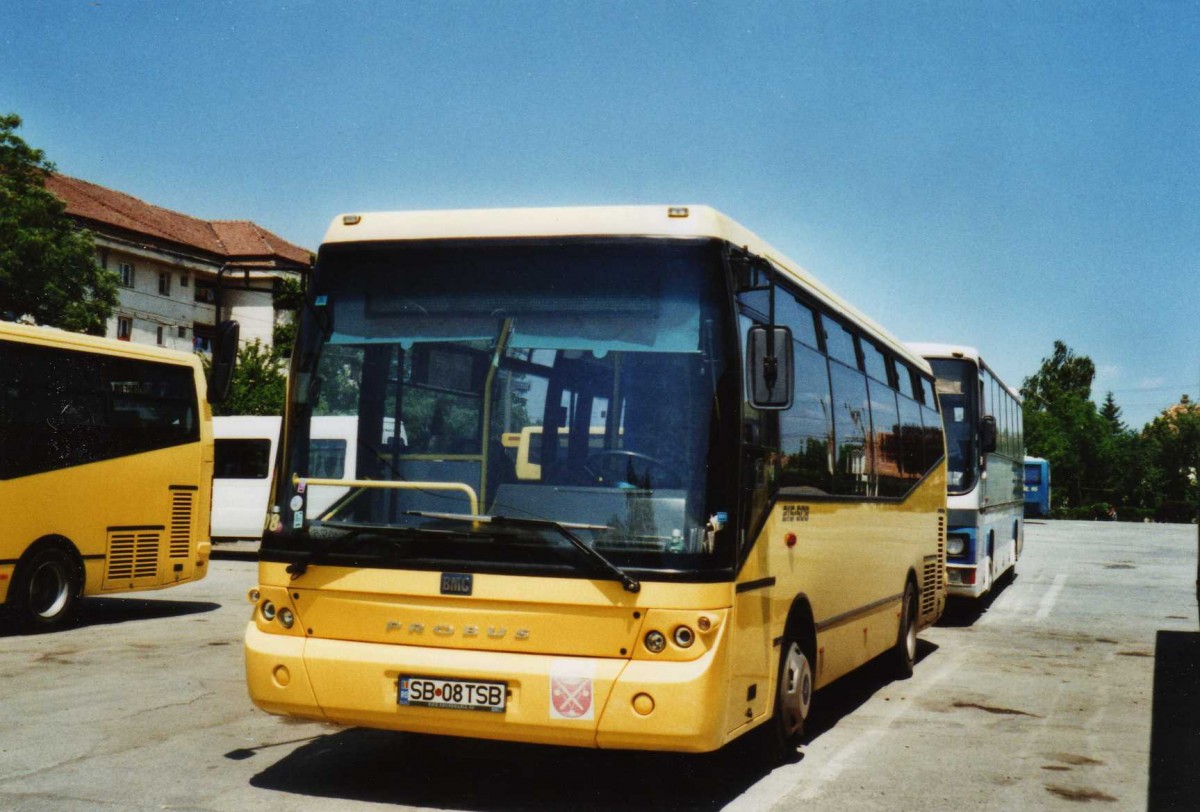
(985, 476)
(246, 447)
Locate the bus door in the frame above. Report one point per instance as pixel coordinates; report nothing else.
(753, 654)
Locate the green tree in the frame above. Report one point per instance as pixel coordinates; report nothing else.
(1063, 426)
(259, 384)
(1173, 452)
(288, 298)
(48, 269)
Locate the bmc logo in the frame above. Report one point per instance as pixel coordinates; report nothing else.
(454, 583)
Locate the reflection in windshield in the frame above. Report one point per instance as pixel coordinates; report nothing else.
(573, 382)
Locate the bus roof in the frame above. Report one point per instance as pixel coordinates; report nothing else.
(52, 336)
(678, 221)
(960, 351)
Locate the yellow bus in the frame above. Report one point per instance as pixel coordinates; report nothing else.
(737, 494)
(105, 470)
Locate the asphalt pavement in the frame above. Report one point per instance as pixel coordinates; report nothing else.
(1076, 683)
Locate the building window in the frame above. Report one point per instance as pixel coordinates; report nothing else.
(183, 280)
(124, 328)
(183, 332)
(160, 335)
(204, 292)
(164, 283)
(202, 336)
(125, 270)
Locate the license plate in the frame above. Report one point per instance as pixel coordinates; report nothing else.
(434, 692)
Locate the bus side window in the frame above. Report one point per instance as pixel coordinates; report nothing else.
(851, 424)
(806, 432)
(935, 442)
(839, 342)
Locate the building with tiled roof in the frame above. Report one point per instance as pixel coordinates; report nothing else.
(169, 265)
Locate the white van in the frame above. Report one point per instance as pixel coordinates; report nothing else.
(246, 449)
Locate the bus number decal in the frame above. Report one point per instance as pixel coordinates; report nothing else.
(795, 513)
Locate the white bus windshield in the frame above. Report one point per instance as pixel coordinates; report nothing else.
(570, 381)
(957, 386)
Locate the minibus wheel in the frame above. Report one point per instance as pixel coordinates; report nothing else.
(45, 591)
(793, 699)
(904, 655)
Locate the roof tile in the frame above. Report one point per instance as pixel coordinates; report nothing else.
(226, 239)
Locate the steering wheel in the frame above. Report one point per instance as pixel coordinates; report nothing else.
(595, 467)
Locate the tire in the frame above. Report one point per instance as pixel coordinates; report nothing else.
(793, 700)
(904, 654)
(45, 592)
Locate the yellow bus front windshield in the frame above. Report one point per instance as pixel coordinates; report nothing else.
(586, 383)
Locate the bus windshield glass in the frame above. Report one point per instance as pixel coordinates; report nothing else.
(958, 388)
(573, 382)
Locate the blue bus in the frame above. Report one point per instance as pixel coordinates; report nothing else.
(1037, 488)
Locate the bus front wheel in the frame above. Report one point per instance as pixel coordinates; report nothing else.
(793, 698)
(45, 591)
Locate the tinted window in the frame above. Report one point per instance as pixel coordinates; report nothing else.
(905, 378)
(875, 361)
(851, 423)
(886, 441)
(327, 459)
(913, 464)
(242, 459)
(797, 316)
(935, 444)
(839, 342)
(805, 430)
(62, 408)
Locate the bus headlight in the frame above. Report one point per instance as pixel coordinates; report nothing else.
(684, 636)
(955, 545)
(655, 642)
(268, 611)
(286, 618)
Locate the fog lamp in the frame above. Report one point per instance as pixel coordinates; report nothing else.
(655, 642)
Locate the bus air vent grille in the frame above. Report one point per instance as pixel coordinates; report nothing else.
(132, 554)
(934, 572)
(182, 503)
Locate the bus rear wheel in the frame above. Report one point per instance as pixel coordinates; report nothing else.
(45, 591)
(904, 654)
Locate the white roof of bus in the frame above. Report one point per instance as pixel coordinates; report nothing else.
(594, 221)
(959, 351)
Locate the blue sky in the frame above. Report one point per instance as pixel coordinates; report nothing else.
(1001, 174)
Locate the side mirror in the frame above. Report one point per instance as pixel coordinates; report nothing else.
(769, 367)
(224, 357)
(987, 434)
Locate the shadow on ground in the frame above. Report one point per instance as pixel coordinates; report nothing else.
(442, 772)
(963, 612)
(1175, 723)
(108, 611)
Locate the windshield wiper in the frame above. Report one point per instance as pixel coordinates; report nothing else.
(628, 582)
(319, 547)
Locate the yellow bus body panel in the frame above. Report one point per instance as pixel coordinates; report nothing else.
(127, 503)
(357, 631)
